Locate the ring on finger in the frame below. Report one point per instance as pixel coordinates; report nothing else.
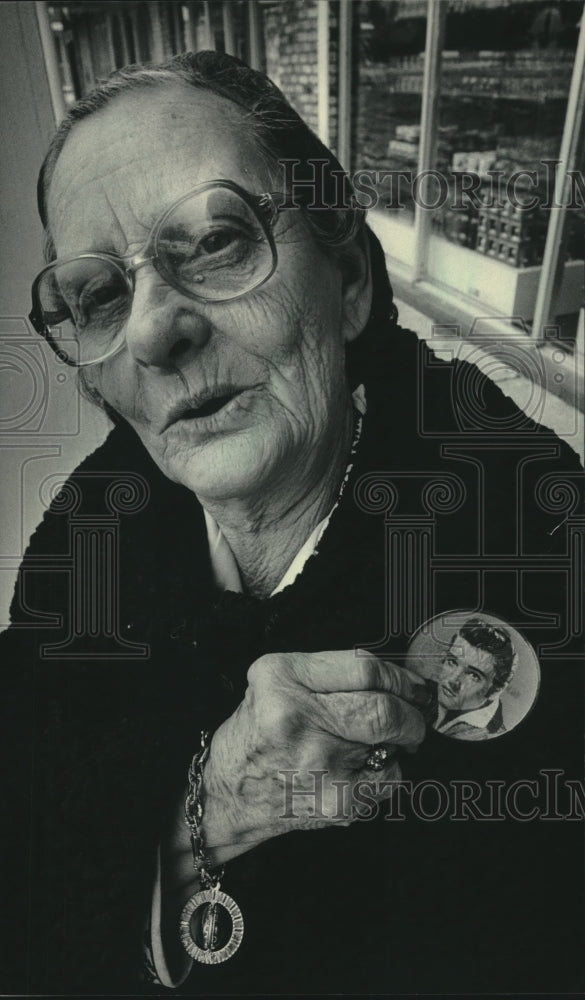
(377, 758)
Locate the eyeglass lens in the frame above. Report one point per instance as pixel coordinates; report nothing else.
(210, 246)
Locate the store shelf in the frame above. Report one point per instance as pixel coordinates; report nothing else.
(492, 284)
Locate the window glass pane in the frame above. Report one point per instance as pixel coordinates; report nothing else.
(389, 76)
(505, 77)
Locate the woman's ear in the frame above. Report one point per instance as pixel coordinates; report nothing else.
(354, 260)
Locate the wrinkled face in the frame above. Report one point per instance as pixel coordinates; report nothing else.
(465, 676)
(269, 367)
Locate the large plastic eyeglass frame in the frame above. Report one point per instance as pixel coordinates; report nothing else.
(265, 210)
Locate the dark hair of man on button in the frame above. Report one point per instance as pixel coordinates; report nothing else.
(494, 640)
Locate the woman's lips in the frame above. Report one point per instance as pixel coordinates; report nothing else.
(201, 404)
(206, 409)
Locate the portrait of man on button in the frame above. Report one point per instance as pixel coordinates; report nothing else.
(484, 673)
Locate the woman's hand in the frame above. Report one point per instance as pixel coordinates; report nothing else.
(302, 713)
(305, 713)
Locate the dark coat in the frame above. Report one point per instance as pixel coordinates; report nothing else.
(449, 506)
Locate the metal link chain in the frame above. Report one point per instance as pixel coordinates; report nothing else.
(194, 817)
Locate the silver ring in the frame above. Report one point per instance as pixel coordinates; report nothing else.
(377, 758)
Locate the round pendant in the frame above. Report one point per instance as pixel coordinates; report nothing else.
(204, 942)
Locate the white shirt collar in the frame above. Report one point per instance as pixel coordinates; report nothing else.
(477, 717)
(224, 567)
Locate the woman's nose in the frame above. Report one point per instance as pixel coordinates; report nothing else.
(165, 329)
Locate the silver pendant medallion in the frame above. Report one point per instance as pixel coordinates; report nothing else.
(209, 932)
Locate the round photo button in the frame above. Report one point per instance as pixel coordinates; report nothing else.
(485, 674)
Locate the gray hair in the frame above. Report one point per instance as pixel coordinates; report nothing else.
(280, 134)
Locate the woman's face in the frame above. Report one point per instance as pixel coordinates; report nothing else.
(277, 354)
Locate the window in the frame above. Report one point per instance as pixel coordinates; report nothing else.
(473, 98)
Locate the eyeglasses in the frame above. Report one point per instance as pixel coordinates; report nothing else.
(214, 244)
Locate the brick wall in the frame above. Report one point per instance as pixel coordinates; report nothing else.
(290, 38)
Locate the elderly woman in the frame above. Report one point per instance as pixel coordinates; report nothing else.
(266, 408)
